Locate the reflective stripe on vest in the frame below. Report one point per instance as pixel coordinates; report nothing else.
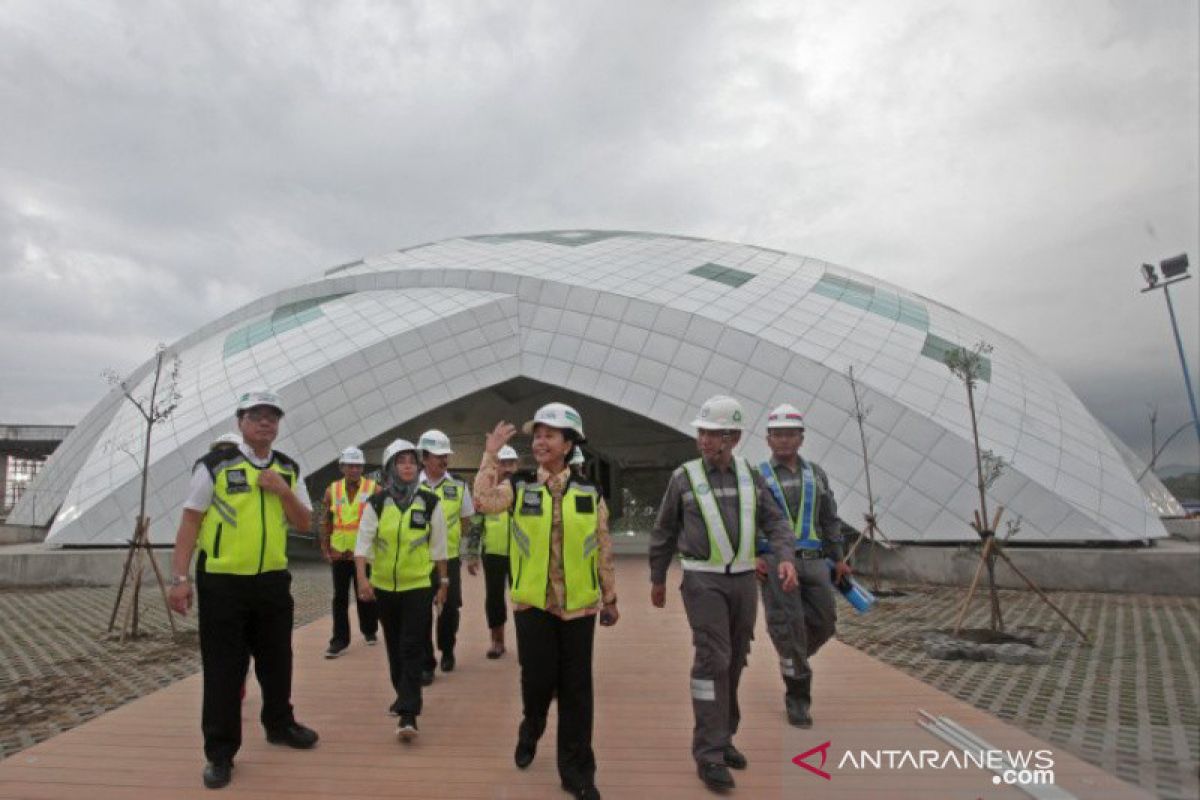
(401, 560)
(452, 508)
(347, 513)
(529, 554)
(721, 556)
(245, 528)
(495, 533)
(804, 524)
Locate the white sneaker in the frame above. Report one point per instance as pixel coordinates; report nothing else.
(407, 731)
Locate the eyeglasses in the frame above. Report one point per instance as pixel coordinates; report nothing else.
(263, 415)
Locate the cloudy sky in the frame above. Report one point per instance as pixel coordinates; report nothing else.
(163, 163)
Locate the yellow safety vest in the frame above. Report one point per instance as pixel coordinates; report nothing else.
(402, 559)
(244, 531)
(347, 511)
(451, 492)
(725, 554)
(495, 533)
(529, 555)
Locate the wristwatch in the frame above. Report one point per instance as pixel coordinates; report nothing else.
(179, 580)
(445, 581)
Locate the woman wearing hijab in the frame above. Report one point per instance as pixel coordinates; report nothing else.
(404, 538)
(562, 580)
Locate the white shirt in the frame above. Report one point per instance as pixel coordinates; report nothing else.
(200, 490)
(468, 505)
(368, 526)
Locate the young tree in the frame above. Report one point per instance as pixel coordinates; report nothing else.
(154, 409)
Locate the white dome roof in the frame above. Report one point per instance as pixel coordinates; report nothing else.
(653, 324)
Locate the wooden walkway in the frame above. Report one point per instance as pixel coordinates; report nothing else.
(152, 747)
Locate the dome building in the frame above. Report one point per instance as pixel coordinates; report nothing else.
(636, 330)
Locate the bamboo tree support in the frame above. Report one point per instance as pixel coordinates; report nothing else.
(139, 546)
(872, 520)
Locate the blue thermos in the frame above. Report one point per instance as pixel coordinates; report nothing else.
(856, 595)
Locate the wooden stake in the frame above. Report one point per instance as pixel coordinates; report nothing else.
(1041, 594)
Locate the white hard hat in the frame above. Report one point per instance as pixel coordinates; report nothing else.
(261, 398)
(576, 457)
(352, 456)
(395, 448)
(556, 415)
(435, 442)
(507, 454)
(719, 413)
(785, 416)
(224, 439)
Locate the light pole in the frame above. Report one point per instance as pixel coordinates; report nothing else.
(1174, 270)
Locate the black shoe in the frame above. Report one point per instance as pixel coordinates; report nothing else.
(407, 730)
(734, 758)
(372, 640)
(715, 776)
(797, 712)
(426, 677)
(526, 750)
(294, 735)
(394, 708)
(217, 774)
(335, 650)
(586, 791)
(447, 661)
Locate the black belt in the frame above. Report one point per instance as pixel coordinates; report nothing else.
(808, 554)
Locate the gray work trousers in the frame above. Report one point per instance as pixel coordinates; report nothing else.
(799, 622)
(720, 610)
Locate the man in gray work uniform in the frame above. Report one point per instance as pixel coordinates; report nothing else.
(799, 622)
(710, 513)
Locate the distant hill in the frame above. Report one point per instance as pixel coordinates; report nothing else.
(1174, 471)
(1184, 487)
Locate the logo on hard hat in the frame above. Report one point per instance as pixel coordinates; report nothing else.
(703, 412)
(737, 416)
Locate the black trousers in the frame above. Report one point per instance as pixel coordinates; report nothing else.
(495, 578)
(556, 659)
(242, 616)
(404, 617)
(447, 621)
(345, 576)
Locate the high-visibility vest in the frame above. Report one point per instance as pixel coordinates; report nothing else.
(725, 554)
(244, 530)
(496, 533)
(401, 559)
(347, 511)
(529, 550)
(804, 523)
(451, 492)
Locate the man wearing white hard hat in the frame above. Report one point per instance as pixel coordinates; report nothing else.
(435, 450)
(563, 580)
(404, 534)
(239, 506)
(800, 622)
(712, 509)
(344, 502)
(493, 529)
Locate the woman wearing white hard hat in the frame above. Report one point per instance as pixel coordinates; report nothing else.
(562, 580)
(494, 531)
(403, 534)
(345, 500)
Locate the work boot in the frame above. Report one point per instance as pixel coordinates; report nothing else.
(217, 774)
(447, 661)
(426, 677)
(734, 758)
(715, 776)
(335, 650)
(582, 791)
(527, 738)
(797, 700)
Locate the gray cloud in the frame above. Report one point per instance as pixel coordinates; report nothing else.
(1015, 161)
